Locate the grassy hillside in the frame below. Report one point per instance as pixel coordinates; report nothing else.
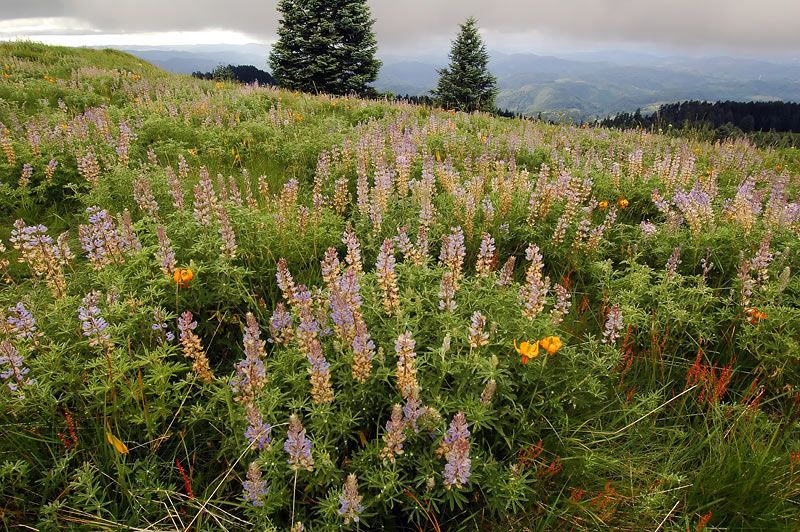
(239, 308)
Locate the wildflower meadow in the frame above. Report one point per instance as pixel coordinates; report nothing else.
(232, 307)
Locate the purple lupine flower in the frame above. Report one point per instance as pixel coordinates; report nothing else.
(485, 255)
(457, 469)
(350, 500)
(562, 305)
(165, 253)
(175, 189)
(507, 272)
(298, 446)
(763, 258)
(342, 315)
(661, 203)
(183, 167)
(330, 267)
(226, 232)
(533, 293)
(387, 278)
(696, 208)
(236, 195)
(648, 228)
(258, 432)
(160, 325)
(394, 436)
(251, 374)
(353, 257)
(285, 282)
(152, 158)
(130, 242)
(706, 263)
(21, 322)
(672, 263)
(50, 169)
(27, 172)
(254, 488)
(280, 325)
(363, 352)
(613, 325)
(16, 371)
(447, 291)
(406, 372)
(143, 195)
(205, 199)
(488, 210)
(412, 411)
(453, 252)
(477, 336)
(93, 325)
(101, 240)
(458, 429)
(321, 388)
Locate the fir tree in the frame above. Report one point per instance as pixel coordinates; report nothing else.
(325, 46)
(467, 85)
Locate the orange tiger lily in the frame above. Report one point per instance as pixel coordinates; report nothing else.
(527, 350)
(551, 344)
(183, 276)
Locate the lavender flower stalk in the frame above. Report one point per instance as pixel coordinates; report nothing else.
(258, 433)
(507, 272)
(298, 446)
(16, 371)
(562, 305)
(350, 500)
(613, 325)
(447, 292)
(251, 374)
(143, 195)
(280, 326)
(406, 372)
(160, 325)
(394, 436)
(93, 325)
(100, 239)
(532, 295)
(477, 336)
(485, 256)
(387, 278)
(165, 254)
(21, 323)
(226, 232)
(254, 488)
(192, 348)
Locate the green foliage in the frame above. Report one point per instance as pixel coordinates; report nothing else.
(467, 85)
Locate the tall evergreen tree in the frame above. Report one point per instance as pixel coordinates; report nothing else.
(467, 85)
(325, 46)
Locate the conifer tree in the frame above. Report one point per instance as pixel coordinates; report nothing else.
(325, 46)
(467, 84)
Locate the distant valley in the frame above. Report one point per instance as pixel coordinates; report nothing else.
(576, 87)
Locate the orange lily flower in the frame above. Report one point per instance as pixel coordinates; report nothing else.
(623, 203)
(602, 205)
(183, 276)
(527, 350)
(551, 344)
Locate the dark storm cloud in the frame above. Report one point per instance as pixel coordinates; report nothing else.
(766, 25)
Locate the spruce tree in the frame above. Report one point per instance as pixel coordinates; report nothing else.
(325, 46)
(467, 85)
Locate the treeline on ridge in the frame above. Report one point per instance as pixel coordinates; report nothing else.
(780, 117)
(239, 73)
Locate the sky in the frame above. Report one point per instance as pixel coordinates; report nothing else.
(701, 27)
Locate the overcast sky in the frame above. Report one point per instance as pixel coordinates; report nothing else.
(737, 27)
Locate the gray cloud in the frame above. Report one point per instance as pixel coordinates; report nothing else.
(766, 26)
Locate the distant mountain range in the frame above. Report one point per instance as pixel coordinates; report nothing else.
(578, 86)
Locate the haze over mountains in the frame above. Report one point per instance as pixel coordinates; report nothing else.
(573, 86)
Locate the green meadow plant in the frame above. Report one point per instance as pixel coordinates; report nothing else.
(234, 307)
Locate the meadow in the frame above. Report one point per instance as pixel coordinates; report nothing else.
(230, 307)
